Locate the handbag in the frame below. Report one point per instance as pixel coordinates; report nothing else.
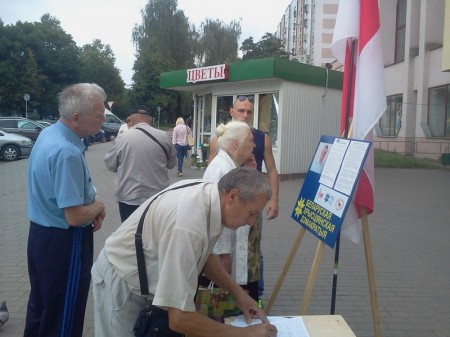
(189, 139)
(151, 321)
(216, 303)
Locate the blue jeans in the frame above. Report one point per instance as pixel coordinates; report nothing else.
(181, 153)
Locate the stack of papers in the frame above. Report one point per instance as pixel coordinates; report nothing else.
(287, 327)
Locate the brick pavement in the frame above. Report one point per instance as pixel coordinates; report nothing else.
(409, 235)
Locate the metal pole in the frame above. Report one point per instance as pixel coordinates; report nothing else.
(347, 127)
(159, 114)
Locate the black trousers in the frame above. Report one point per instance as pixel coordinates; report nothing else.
(126, 210)
(59, 267)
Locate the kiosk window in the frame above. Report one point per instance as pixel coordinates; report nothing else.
(224, 104)
(268, 115)
(207, 114)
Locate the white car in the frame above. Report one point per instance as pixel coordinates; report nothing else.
(14, 146)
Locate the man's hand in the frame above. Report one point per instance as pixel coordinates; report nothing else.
(249, 307)
(261, 330)
(98, 221)
(272, 209)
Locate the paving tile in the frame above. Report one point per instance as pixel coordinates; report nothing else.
(409, 234)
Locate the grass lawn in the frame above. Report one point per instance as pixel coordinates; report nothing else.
(395, 160)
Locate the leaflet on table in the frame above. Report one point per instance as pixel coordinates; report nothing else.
(286, 326)
(329, 186)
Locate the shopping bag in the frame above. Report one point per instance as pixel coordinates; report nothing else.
(216, 303)
(190, 140)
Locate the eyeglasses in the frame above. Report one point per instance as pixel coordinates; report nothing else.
(243, 98)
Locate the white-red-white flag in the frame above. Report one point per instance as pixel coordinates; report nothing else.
(363, 96)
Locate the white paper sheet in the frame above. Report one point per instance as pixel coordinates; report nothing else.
(287, 327)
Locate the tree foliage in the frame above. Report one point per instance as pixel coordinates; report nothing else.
(40, 59)
(268, 46)
(217, 42)
(162, 41)
(98, 67)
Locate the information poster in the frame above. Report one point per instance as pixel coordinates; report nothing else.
(329, 186)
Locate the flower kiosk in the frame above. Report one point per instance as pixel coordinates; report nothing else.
(294, 103)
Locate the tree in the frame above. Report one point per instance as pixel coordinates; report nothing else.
(97, 62)
(268, 46)
(47, 53)
(167, 27)
(218, 42)
(57, 56)
(162, 43)
(19, 74)
(146, 88)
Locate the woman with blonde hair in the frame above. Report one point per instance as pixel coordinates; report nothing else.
(235, 141)
(179, 139)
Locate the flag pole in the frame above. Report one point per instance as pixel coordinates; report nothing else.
(348, 67)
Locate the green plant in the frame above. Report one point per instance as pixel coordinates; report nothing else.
(201, 164)
(193, 159)
(394, 160)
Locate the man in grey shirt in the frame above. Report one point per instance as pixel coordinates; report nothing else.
(142, 158)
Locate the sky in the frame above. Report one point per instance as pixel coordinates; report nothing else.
(112, 21)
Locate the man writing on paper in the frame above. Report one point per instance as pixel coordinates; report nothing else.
(180, 230)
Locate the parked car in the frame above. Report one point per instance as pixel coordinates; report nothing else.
(22, 126)
(44, 124)
(14, 146)
(111, 125)
(98, 137)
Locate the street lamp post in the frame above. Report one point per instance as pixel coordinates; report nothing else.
(26, 97)
(158, 108)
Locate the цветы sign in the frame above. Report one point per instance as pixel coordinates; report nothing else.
(212, 73)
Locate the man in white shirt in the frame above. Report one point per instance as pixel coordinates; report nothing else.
(179, 232)
(125, 126)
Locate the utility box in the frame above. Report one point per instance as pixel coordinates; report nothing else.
(445, 159)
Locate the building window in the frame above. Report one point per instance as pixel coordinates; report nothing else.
(400, 31)
(391, 121)
(439, 111)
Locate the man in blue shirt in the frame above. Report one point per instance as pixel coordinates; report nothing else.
(64, 213)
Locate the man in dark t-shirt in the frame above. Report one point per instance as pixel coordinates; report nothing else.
(242, 110)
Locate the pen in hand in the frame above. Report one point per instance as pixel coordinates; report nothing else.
(264, 320)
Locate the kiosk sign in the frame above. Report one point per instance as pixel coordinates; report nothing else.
(212, 73)
(329, 186)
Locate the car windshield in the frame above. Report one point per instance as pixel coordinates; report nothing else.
(26, 125)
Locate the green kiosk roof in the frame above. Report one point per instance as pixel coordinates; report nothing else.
(264, 68)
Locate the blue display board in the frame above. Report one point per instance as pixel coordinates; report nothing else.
(329, 186)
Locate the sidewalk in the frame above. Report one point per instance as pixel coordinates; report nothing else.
(409, 235)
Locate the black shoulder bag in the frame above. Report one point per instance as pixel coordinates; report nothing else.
(152, 321)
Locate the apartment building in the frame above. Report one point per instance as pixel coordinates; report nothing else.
(416, 49)
(417, 75)
(306, 30)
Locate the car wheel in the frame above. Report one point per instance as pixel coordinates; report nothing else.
(10, 153)
(111, 137)
(103, 140)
